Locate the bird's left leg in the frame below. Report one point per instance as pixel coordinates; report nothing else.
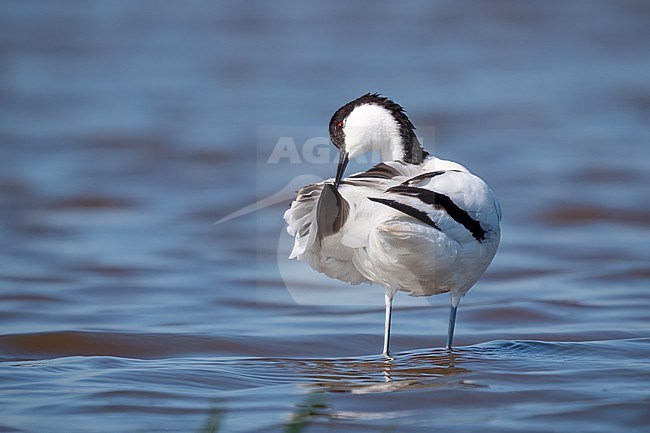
(388, 298)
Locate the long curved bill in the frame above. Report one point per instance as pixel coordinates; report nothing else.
(340, 169)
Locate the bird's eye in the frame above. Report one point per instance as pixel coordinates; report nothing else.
(340, 124)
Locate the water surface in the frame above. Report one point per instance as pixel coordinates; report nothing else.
(127, 129)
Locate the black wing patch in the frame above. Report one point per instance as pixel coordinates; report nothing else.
(379, 171)
(408, 210)
(332, 211)
(415, 180)
(441, 201)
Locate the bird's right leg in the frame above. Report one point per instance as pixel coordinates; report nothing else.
(452, 325)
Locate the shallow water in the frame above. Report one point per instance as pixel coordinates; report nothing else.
(127, 129)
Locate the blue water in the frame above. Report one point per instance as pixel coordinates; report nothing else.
(128, 128)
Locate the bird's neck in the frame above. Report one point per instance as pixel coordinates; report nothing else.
(412, 150)
(390, 152)
(406, 148)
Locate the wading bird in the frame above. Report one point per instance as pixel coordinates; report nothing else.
(413, 223)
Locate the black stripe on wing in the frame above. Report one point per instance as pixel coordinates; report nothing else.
(379, 171)
(428, 175)
(442, 201)
(408, 210)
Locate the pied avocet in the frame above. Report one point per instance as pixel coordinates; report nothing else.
(413, 223)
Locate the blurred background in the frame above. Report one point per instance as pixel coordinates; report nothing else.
(128, 128)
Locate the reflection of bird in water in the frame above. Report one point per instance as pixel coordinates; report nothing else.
(360, 376)
(414, 223)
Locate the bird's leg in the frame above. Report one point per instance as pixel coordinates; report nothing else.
(388, 297)
(452, 324)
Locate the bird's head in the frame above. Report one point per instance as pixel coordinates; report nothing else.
(373, 123)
